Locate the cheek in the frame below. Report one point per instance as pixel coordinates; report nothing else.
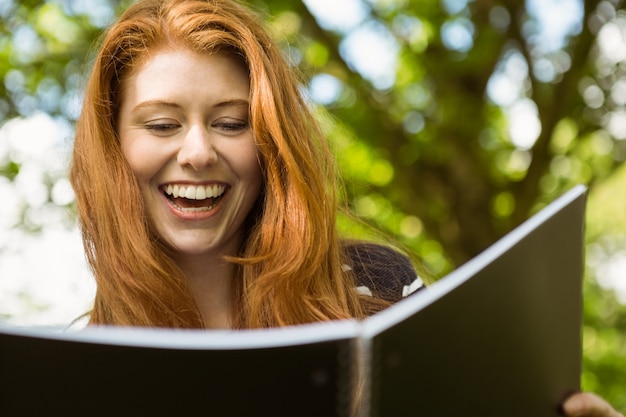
(250, 168)
(143, 164)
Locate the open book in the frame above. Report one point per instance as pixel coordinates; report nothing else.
(499, 336)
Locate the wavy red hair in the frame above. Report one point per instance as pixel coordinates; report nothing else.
(290, 266)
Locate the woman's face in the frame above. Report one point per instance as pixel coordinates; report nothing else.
(184, 129)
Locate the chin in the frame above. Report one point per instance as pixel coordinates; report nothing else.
(199, 247)
(190, 249)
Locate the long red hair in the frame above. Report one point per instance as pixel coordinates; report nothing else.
(290, 266)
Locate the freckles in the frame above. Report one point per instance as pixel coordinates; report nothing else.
(127, 146)
(249, 162)
(142, 157)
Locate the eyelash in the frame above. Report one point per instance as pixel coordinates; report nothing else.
(161, 127)
(231, 126)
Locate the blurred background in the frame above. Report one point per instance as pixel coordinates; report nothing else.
(453, 121)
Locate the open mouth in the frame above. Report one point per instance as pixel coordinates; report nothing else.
(194, 198)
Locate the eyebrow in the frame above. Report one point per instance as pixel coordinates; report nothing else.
(162, 103)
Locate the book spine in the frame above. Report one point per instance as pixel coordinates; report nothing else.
(361, 375)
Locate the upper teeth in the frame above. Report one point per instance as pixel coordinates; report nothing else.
(195, 192)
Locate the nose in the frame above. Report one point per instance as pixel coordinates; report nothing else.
(197, 150)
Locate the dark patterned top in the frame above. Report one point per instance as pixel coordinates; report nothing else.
(382, 272)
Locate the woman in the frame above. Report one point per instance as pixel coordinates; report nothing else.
(194, 96)
(206, 193)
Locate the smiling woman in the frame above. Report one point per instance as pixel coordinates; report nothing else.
(202, 175)
(206, 193)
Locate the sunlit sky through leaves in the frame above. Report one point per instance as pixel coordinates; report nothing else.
(372, 50)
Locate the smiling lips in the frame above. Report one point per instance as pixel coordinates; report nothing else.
(194, 198)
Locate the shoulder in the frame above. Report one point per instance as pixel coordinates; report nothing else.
(79, 323)
(381, 271)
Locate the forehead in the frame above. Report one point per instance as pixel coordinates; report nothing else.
(185, 73)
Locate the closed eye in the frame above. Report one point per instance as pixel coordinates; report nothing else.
(161, 128)
(231, 127)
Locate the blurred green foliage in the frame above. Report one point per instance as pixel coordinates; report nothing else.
(604, 332)
(431, 144)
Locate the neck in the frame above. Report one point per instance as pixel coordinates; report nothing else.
(210, 281)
